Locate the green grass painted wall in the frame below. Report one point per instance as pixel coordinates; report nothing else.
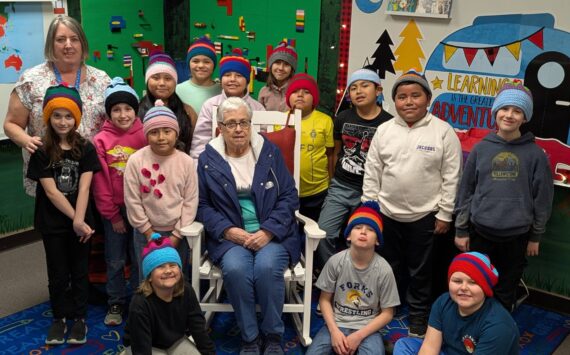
(270, 20)
(95, 18)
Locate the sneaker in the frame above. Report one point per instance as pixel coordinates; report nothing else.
(78, 333)
(114, 315)
(417, 327)
(272, 345)
(56, 333)
(251, 348)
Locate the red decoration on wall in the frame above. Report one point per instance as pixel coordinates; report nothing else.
(344, 46)
(228, 5)
(469, 54)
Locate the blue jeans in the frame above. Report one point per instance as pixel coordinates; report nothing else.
(409, 346)
(117, 247)
(341, 200)
(371, 345)
(256, 275)
(183, 251)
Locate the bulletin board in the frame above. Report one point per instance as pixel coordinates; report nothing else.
(266, 22)
(135, 22)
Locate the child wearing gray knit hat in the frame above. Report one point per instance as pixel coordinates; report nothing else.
(282, 65)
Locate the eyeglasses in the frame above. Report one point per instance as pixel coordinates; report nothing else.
(233, 124)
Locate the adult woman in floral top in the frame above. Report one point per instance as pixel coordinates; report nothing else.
(65, 51)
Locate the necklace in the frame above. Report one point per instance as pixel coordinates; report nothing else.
(60, 81)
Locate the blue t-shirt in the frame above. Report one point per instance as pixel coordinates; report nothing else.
(490, 330)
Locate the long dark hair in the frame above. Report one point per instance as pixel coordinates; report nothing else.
(52, 141)
(271, 80)
(177, 106)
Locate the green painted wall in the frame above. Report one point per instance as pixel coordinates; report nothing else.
(95, 18)
(270, 20)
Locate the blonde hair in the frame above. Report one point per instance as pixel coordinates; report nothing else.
(74, 26)
(146, 287)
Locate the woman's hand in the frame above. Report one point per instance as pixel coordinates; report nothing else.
(32, 144)
(258, 240)
(236, 235)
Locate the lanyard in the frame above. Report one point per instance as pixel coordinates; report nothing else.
(58, 76)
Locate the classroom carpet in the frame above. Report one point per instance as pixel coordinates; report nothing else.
(24, 332)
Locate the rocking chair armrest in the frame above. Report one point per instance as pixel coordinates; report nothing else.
(310, 227)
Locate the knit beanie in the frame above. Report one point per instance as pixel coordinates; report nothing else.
(409, 77)
(285, 53)
(62, 96)
(303, 81)
(237, 63)
(160, 116)
(364, 74)
(119, 92)
(478, 267)
(514, 95)
(158, 251)
(202, 46)
(368, 213)
(160, 62)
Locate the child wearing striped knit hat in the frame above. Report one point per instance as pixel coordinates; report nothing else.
(282, 65)
(63, 168)
(161, 79)
(161, 186)
(467, 319)
(202, 60)
(358, 290)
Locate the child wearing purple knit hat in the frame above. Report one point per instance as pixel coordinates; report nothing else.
(467, 319)
(202, 60)
(161, 79)
(164, 311)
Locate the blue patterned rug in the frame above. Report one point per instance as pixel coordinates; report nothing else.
(24, 332)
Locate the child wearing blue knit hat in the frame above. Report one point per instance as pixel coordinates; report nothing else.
(119, 138)
(165, 311)
(505, 196)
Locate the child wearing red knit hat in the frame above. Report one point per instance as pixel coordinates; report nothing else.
(282, 65)
(467, 319)
(317, 145)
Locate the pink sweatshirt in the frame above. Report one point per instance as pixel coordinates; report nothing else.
(161, 192)
(114, 147)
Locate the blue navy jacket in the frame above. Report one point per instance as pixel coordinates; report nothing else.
(273, 192)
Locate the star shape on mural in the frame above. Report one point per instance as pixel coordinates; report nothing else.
(436, 83)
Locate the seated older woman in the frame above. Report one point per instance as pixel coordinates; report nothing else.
(247, 204)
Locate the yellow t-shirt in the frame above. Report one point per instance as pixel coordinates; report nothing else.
(316, 137)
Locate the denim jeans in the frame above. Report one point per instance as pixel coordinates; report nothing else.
(409, 346)
(256, 275)
(341, 200)
(117, 247)
(322, 344)
(183, 251)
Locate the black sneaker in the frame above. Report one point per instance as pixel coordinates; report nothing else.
(417, 327)
(56, 333)
(272, 345)
(251, 348)
(78, 333)
(114, 315)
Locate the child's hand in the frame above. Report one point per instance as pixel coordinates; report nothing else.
(462, 243)
(339, 342)
(532, 248)
(353, 341)
(119, 227)
(175, 241)
(441, 227)
(83, 231)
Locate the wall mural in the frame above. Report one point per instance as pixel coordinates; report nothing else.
(468, 67)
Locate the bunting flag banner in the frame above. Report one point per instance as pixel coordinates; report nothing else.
(537, 38)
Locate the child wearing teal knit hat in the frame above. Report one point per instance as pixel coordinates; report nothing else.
(165, 311)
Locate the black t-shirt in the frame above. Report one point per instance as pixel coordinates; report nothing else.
(153, 322)
(66, 173)
(356, 135)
